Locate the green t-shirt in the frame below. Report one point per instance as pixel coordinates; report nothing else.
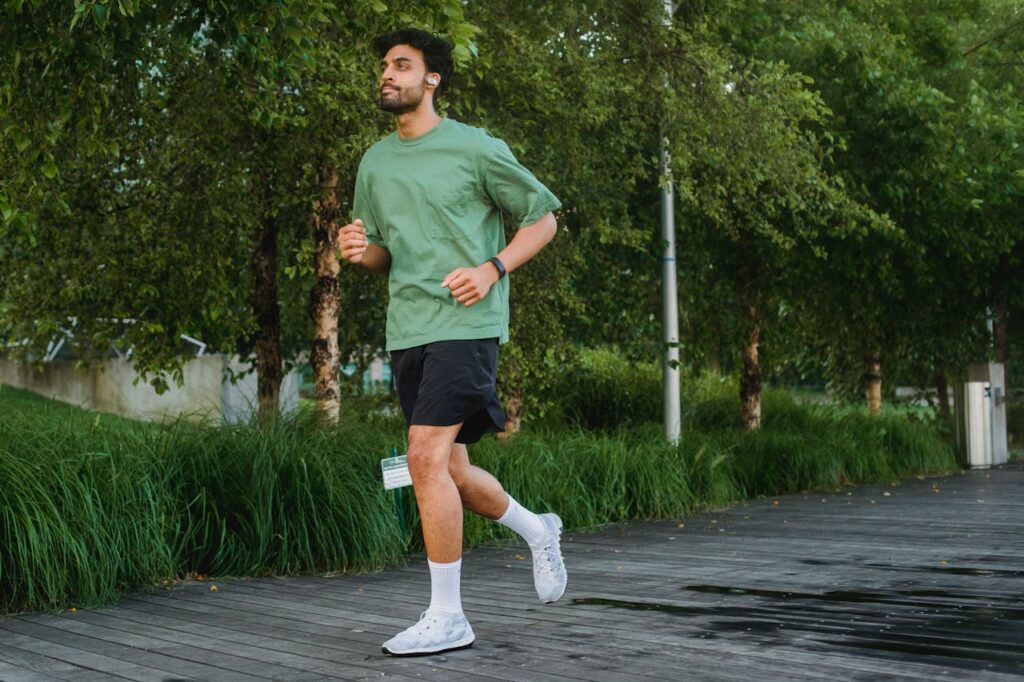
(435, 202)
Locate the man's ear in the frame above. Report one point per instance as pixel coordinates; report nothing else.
(433, 79)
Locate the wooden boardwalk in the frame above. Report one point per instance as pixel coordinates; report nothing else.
(923, 580)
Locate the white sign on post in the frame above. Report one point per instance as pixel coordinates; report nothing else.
(396, 472)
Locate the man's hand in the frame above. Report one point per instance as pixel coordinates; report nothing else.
(352, 241)
(470, 285)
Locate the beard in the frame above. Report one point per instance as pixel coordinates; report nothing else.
(402, 101)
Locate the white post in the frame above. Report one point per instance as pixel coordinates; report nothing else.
(670, 302)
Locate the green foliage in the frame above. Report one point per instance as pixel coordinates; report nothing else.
(79, 522)
(93, 504)
(144, 150)
(850, 171)
(922, 123)
(1015, 425)
(285, 499)
(551, 80)
(605, 390)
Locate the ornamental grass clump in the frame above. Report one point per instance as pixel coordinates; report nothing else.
(92, 505)
(83, 516)
(289, 497)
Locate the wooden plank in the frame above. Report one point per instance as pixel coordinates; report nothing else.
(387, 626)
(34, 663)
(109, 657)
(297, 608)
(91, 663)
(13, 673)
(225, 631)
(190, 646)
(564, 630)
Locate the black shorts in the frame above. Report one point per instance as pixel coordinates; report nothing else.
(450, 382)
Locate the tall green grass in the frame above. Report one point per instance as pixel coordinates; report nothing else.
(93, 505)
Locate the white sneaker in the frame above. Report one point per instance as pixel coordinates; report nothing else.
(548, 569)
(435, 632)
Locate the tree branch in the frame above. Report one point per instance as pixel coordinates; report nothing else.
(998, 36)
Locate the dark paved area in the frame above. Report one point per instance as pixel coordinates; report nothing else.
(921, 580)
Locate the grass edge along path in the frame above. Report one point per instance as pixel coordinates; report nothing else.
(92, 505)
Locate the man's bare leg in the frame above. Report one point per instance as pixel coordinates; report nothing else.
(437, 497)
(443, 626)
(480, 491)
(483, 493)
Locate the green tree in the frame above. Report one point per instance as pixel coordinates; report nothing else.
(555, 82)
(892, 75)
(200, 144)
(578, 89)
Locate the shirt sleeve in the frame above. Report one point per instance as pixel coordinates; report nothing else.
(362, 209)
(515, 190)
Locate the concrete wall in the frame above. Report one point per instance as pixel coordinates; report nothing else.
(107, 386)
(238, 400)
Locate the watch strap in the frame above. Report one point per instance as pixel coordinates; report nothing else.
(499, 266)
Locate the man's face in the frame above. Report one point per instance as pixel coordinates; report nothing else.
(402, 79)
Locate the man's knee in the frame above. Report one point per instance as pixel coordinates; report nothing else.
(429, 451)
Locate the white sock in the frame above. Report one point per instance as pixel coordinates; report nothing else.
(525, 522)
(444, 586)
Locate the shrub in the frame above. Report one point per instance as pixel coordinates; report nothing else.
(603, 390)
(93, 505)
(1015, 424)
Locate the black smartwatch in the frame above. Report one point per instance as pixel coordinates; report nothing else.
(500, 267)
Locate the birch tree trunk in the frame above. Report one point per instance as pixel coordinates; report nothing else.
(1001, 341)
(873, 381)
(269, 369)
(750, 376)
(942, 390)
(513, 414)
(512, 401)
(324, 298)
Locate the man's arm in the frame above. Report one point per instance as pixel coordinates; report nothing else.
(355, 248)
(469, 285)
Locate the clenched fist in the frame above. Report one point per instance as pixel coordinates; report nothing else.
(352, 241)
(470, 285)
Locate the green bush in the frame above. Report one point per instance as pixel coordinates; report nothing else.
(603, 390)
(1015, 424)
(93, 505)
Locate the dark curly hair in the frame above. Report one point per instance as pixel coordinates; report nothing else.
(437, 52)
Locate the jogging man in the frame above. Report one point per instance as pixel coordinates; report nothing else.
(428, 212)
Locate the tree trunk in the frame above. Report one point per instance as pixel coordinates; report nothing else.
(1000, 341)
(1002, 276)
(750, 377)
(269, 369)
(513, 414)
(942, 390)
(324, 298)
(873, 381)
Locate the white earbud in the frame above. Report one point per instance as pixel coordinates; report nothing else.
(432, 81)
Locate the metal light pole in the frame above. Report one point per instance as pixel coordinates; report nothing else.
(669, 297)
